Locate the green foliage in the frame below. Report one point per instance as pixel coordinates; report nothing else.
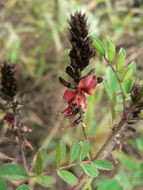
(111, 51)
(139, 143)
(39, 49)
(98, 45)
(13, 171)
(121, 59)
(14, 51)
(43, 180)
(103, 164)
(85, 149)
(111, 184)
(88, 184)
(38, 164)
(23, 187)
(131, 173)
(127, 85)
(129, 71)
(63, 150)
(68, 177)
(2, 184)
(90, 121)
(60, 153)
(120, 80)
(90, 169)
(74, 151)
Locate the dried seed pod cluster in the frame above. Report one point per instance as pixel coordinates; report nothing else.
(136, 95)
(8, 80)
(81, 51)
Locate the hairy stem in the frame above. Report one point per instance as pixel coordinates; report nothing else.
(84, 131)
(20, 139)
(20, 143)
(75, 164)
(112, 141)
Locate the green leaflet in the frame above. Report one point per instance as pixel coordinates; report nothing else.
(68, 177)
(60, 153)
(2, 184)
(38, 164)
(111, 51)
(90, 169)
(129, 71)
(23, 187)
(13, 171)
(85, 150)
(110, 184)
(74, 151)
(121, 59)
(98, 45)
(103, 164)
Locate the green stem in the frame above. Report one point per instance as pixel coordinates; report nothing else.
(119, 81)
(74, 164)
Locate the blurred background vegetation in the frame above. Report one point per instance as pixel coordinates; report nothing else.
(34, 36)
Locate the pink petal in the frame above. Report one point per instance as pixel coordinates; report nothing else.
(70, 113)
(64, 110)
(7, 118)
(72, 101)
(81, 99)
(88, 84)
(67, 111)
(68, 94)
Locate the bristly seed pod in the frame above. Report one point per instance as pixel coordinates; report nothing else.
(64, 82)
(99, 79)
(82, 49)
(70, 72)
(135, 92)
(8, 80)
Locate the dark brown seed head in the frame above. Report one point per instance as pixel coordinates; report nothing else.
(82, 49)
(8, 80)
(136, 92)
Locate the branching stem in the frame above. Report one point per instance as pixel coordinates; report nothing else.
(20, 140)
(113, 140)
(75, 164)
(119, 81)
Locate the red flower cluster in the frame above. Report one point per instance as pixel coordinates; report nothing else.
(10, 119)
(76, 98)
(7, 118)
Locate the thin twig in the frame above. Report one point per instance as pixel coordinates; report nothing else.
(20, 143)
(75, 164)
(20, 139)
(84, 131)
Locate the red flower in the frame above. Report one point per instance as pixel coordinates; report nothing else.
(7, 117)
(68, 111)
(74, 97)
(88, 84)
(68, 95)
(77, 98)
